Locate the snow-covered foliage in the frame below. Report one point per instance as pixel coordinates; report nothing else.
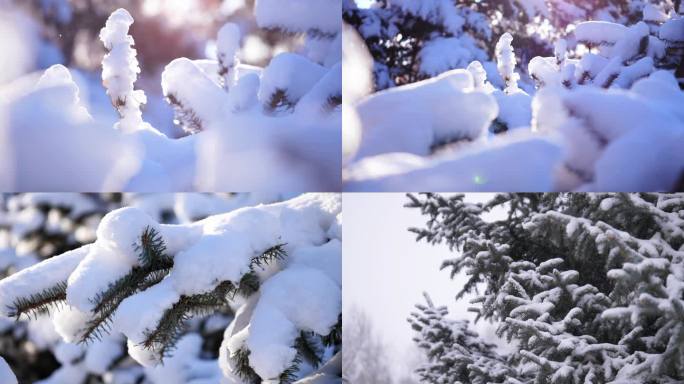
(235, 116)
(438, 35)
(276, 267)
(588, 287)
(34, 227)
(454, 352)
(600, 112)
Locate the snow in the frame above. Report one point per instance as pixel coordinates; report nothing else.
(120, 70)
(291, 73)
(41, 148)
(100, 268)
(140, 313)
(530, 165)
(300, 15)
(597, 32)
(120, 231)
(673, 30)
(298, 297)
(101, 354)
(189, 265)
(326, 258)
(39, 277)
(425, 113)
(441, 54)
(244, 94)
(227, 45)
(506, 61)
(316, 101)
(191, 90)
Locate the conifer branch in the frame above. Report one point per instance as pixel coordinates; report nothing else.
(278, 101)
(151, 248)
(275, 253)
(155, 266)
(39, 303)
(308, 348)
(249, 284)
(242, 368)
(289, 375)
(334, 338)
(171, 325)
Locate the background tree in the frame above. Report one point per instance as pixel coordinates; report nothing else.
(365, 362)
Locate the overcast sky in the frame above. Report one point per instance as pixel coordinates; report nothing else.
(385, 270)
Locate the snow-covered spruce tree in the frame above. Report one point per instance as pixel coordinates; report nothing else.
(454, 353)
(589, 286)
(277, 267)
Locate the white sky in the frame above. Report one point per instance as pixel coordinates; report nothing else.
(385, 271)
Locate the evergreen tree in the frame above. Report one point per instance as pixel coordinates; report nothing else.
(414, 40)
(454, 352)
(589, 286)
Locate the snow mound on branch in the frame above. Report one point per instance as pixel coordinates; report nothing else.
(673, 30)
(39, 151)
(300, 15)
(608, 130)
(39, 277)
(424, 114)
(120, 70)
(530, 164)
(445, 53)
(120, 231)
(292, 73)
(599, 31)
(297, 298)
(188, 88)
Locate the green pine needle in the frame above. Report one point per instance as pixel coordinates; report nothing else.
(155, 266)
(309, 348)
(240, 361)
(151, 248)
(172, 324)
(334, 338)
(275, 253)
(289, 375)
(39, 303)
